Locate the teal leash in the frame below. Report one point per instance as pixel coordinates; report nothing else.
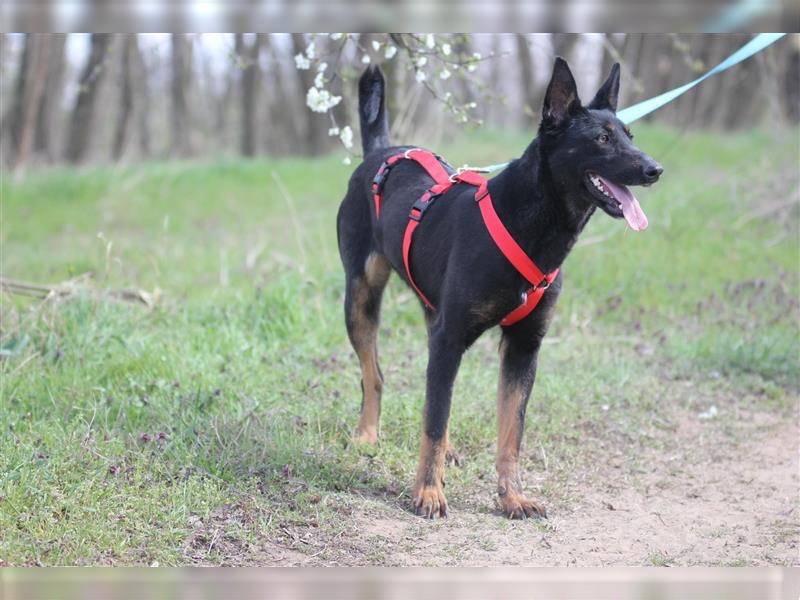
(637, 111)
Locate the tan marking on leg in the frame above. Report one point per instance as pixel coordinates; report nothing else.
(510, 398)
(377, 270)
(428, 496)
(372, 387)
(365, 336)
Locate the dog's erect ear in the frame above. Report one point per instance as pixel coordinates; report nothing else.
(561, 98)
(608, 94)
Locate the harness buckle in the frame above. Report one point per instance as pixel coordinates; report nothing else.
(409, 151)
(454, 177)
(422, 204)
(377, 181)
(543, 284)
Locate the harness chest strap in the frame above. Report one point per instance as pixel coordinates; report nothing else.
(500, 235)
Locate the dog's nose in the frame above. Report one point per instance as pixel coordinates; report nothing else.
(653, 171)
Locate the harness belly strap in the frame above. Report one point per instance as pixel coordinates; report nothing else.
(498, 232)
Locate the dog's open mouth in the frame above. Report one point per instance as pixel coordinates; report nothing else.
(617, 200)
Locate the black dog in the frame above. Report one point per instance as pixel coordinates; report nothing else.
(582, 159)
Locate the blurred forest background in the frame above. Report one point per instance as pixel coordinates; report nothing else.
(79, 98)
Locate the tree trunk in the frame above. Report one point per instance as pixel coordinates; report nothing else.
(791, 80)
(50, 106)
(564, 44)
(81, 121)
(285, 131)
(142, 102)
(745, 85)
(181, 80)
(12, 120)
(251, 82)
(632, 87)
(126, 96)
(530, 98)
(36, 75)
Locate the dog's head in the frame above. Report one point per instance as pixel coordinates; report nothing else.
(589, 151)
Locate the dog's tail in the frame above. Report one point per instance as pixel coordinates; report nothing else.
(372, 110)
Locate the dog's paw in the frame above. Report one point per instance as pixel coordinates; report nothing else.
(429, 502)
(451, 457)
(517, 506)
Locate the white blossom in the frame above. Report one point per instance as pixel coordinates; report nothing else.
(311, 50)
(322, 66)
(445, 74)
(376, 45)
(333, 131)
(476, 55)
(420, 76)
(319, 80)
(346, 160)
(471, 68)
(321, 100)
(336, 36)
(446, 49)
(421, 61)
(390, 51)
(473, 105)
(347, 137)
(365, 59)
(430, 42)
(301, 62)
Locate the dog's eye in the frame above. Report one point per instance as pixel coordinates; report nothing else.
(603, 138)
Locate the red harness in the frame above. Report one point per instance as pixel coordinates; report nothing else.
(502, 238)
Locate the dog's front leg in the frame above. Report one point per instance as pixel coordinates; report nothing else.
(518, 354)
(445, 353)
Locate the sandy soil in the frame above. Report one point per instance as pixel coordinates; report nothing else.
(699, 492)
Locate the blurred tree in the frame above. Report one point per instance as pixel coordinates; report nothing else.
(248, 54)
(530, 95)
(126, 96)
(223, 98)
(791, 79)
(141, 75)
(82, 118)
(20, 120)
(181, 144)
(564, 44)
(284, 124)
(49, 109)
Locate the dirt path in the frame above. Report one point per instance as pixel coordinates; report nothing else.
(717, 491)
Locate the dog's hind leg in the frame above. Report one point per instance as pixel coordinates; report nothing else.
(362, 314)
(518, 356)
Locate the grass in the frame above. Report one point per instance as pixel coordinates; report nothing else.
(194, 431)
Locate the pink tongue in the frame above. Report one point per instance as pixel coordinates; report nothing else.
(631, 210)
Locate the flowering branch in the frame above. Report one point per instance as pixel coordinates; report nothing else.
(434, 60)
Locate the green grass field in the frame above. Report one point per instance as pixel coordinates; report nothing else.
(127, 432)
